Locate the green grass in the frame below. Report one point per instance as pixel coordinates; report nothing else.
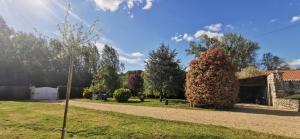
(295, 96)
(34, 120)
(173, 103)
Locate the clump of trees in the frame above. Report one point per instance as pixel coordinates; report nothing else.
(164, 73)
(28, 59)
(211, 80)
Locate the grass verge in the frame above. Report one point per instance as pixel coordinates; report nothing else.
(31, 120)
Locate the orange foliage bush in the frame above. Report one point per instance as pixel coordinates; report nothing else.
(211, 80)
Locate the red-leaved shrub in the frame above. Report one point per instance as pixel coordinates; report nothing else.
(211, 80)
(135, 83)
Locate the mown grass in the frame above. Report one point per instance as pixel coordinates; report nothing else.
(295, 96)
(173, 103)
(37, 120)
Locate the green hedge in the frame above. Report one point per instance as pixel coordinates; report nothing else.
(14, 93)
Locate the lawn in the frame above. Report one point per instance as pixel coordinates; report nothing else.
(295, 96)
(173, 103)
(28, 120)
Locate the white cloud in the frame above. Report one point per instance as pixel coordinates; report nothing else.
(137, 54)
(114, 5)
(295, 62)
(210, 34)
(177, 37)
(109, 5)
(148, 5)
(188, 37)
(214, 27)
(185, 36)
(229, 26)
(273, 20)
(295, 18)
(132, 58)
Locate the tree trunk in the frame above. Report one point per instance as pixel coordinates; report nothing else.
(160, 96)
(70, 75)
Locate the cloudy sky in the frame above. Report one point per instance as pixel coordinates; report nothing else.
(135, 27)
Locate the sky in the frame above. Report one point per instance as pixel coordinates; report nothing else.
(136, 27)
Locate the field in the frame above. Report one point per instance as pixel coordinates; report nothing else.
(43, 120)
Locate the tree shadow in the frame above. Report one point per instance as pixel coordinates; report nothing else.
(257, 110)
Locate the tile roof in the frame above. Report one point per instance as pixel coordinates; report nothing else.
(288, 75)
(291, 75)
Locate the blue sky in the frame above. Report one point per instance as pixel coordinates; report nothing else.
(135, 27)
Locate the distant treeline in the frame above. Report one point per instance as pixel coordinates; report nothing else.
(27, 59)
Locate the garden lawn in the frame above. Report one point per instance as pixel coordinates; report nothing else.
(173, 103)
(295, 96)
(31, 120)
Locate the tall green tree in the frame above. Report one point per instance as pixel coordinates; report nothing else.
(110, 57)
(241, 50)
(272, 62)
(106, 80)
(163, 71)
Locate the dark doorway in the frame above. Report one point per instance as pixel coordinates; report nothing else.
(253, 90)
(253, 94)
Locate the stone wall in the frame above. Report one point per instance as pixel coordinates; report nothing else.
(292, 86)
(287, 104)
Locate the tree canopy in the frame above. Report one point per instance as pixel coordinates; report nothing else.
(107, 80)
(241, 50)
(28, 59)
(272, 62)
(164, 71)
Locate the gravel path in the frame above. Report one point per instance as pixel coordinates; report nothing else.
(268, 121)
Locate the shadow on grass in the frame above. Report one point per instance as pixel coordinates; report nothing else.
(254, 110)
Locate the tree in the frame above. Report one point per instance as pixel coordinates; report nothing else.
(135, 83)
(241, 50)
(271, 62)
(249, 72)
(110, 57)
(211, 80)
(74, 36)
(106, 80)
(163, 71)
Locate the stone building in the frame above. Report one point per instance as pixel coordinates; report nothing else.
(271, 88)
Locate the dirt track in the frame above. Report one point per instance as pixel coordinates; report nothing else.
(261, 120)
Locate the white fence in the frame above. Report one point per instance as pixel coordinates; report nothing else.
(44, 93)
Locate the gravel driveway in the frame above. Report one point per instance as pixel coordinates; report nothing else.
(268, 121)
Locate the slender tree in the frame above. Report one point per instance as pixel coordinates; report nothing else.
(74, 36)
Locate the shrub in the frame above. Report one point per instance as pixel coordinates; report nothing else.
(211, 80)
(122, 95)
(249, 72)
(135, 83)
(87, 92)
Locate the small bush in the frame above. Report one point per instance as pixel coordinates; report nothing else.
(122, 95)
(87, 92)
